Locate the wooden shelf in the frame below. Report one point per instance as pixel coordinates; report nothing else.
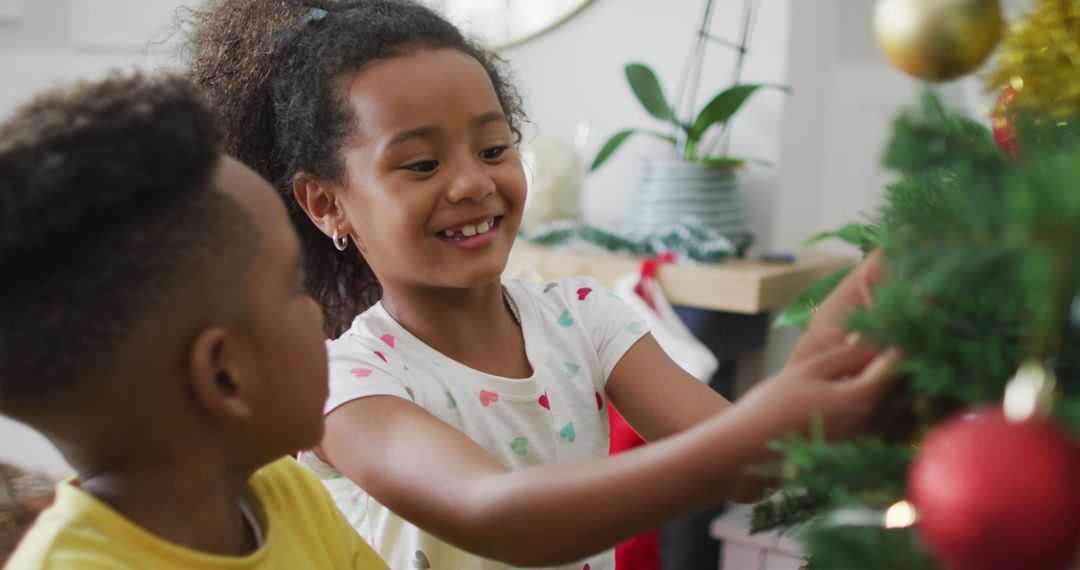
(736, 286)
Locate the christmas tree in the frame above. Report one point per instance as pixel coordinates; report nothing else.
(975, 464)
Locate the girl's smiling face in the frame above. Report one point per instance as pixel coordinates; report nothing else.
(434, 185)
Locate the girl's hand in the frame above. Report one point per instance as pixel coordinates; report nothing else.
(827, 329)
(843, 386)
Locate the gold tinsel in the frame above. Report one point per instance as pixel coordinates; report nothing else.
(1040, 58)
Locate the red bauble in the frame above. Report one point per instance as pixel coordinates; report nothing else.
(997, 495)
(1001, 122)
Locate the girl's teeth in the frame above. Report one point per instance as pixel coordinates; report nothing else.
(470, 231)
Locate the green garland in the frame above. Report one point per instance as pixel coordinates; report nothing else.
(690, 241)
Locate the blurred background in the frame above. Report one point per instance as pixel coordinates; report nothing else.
(823, 138)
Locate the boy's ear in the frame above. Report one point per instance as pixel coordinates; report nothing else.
(319, 201)
(217, 378)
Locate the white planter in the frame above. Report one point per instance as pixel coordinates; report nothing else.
(674, 191)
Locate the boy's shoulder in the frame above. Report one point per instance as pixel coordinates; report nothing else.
(304, 530)
(71, 533)
(286, 482)
(306, 527)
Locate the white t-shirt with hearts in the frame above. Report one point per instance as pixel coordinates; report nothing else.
(575, 332)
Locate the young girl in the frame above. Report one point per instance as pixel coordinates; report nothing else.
(466, 426)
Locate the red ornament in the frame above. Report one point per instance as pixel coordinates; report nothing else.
(1002, 122)
(997, 495)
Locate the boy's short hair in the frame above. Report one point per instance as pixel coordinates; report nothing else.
(108, 214)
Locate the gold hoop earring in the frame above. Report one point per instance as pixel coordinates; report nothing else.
(341, 242)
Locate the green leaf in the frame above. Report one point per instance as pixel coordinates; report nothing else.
(734, 161)
(863, 237)
(646, 87)
(799, 313)
(616, 141)
(723, 106)
(728, 161)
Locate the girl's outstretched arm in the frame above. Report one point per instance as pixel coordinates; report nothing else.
(659, 399)
(440, 480)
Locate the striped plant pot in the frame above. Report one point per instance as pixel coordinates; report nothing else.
(673, 191)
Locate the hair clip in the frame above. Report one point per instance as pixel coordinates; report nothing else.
(297, 26)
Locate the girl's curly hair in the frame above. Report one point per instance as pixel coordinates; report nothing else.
(274, 74)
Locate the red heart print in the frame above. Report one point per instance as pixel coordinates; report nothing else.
(583, 292)
(599, 401)
(361, 372)
(388, 339)
(487, 398)
(380, 355)
(544, 401)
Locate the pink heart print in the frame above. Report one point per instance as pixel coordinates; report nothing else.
(583, 292)
(544, 401)
(487, 398)
(599, 401)
(388, 339)
(380, 355)
(361, 372)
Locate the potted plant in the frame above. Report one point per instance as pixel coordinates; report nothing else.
(646, 87)
(696, 183)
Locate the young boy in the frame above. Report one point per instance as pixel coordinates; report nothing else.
(154, 326)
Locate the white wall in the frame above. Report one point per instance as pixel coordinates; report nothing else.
(574, 76)
(826, 137)
(22, 446)
(839, 118)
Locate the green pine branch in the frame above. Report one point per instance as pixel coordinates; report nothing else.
(982, 267)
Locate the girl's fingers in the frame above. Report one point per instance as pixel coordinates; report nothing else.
(879, 375)
(857, 290)
(841, 362)
(873, 270)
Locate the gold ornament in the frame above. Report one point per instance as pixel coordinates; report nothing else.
(1040, 59)
(937, 40)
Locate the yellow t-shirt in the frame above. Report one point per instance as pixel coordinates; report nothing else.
(302, 529)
